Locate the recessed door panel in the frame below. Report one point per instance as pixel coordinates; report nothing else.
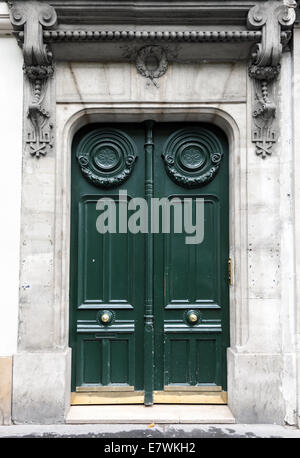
(191, 271)
(104, 258)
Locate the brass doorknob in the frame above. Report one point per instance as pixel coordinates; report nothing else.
(193, 317)
(105, 318)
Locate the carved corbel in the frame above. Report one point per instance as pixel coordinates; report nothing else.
(32, 18)
(271, 17)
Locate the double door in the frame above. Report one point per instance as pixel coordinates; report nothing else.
(149, 298)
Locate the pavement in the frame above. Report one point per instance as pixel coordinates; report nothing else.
(149, 431)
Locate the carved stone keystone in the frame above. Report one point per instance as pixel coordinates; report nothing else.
(271, 17)
(32, 18)
(152, 63)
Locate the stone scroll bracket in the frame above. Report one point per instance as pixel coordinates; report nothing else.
(271, 17)
(32, 18)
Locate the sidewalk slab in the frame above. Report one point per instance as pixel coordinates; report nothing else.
(132, 431)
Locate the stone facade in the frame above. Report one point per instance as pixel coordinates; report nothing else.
(213, 75)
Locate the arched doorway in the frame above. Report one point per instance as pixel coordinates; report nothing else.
(149, 316)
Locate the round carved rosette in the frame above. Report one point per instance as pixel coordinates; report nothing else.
(192, 156)
(106, 157)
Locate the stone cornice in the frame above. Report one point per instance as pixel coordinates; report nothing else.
(269, 25)
(5, 24)
(154, 12)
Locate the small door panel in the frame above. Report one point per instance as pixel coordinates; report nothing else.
(191, 360)
(105, 361)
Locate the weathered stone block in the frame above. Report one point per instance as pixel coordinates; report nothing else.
(257, 397)
(41, 388)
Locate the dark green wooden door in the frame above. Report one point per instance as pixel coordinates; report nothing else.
(149, 310)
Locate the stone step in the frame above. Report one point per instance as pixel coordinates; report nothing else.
(157, 414)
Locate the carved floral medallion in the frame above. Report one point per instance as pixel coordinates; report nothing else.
(106, 157)
(192, 156)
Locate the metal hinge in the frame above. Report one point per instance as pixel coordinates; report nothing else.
(230, 275)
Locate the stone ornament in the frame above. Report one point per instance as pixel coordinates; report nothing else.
(152, 63)
(32, 18)
(271, 17)
(192, 157)
(106, 157)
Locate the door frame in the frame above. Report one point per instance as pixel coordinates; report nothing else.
(231, 118)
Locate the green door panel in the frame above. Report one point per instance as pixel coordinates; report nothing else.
(130, 275)
(192, 277)
(106, 271)
(191, 271)
(102, 254)
(105, 360)
(192, 359)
